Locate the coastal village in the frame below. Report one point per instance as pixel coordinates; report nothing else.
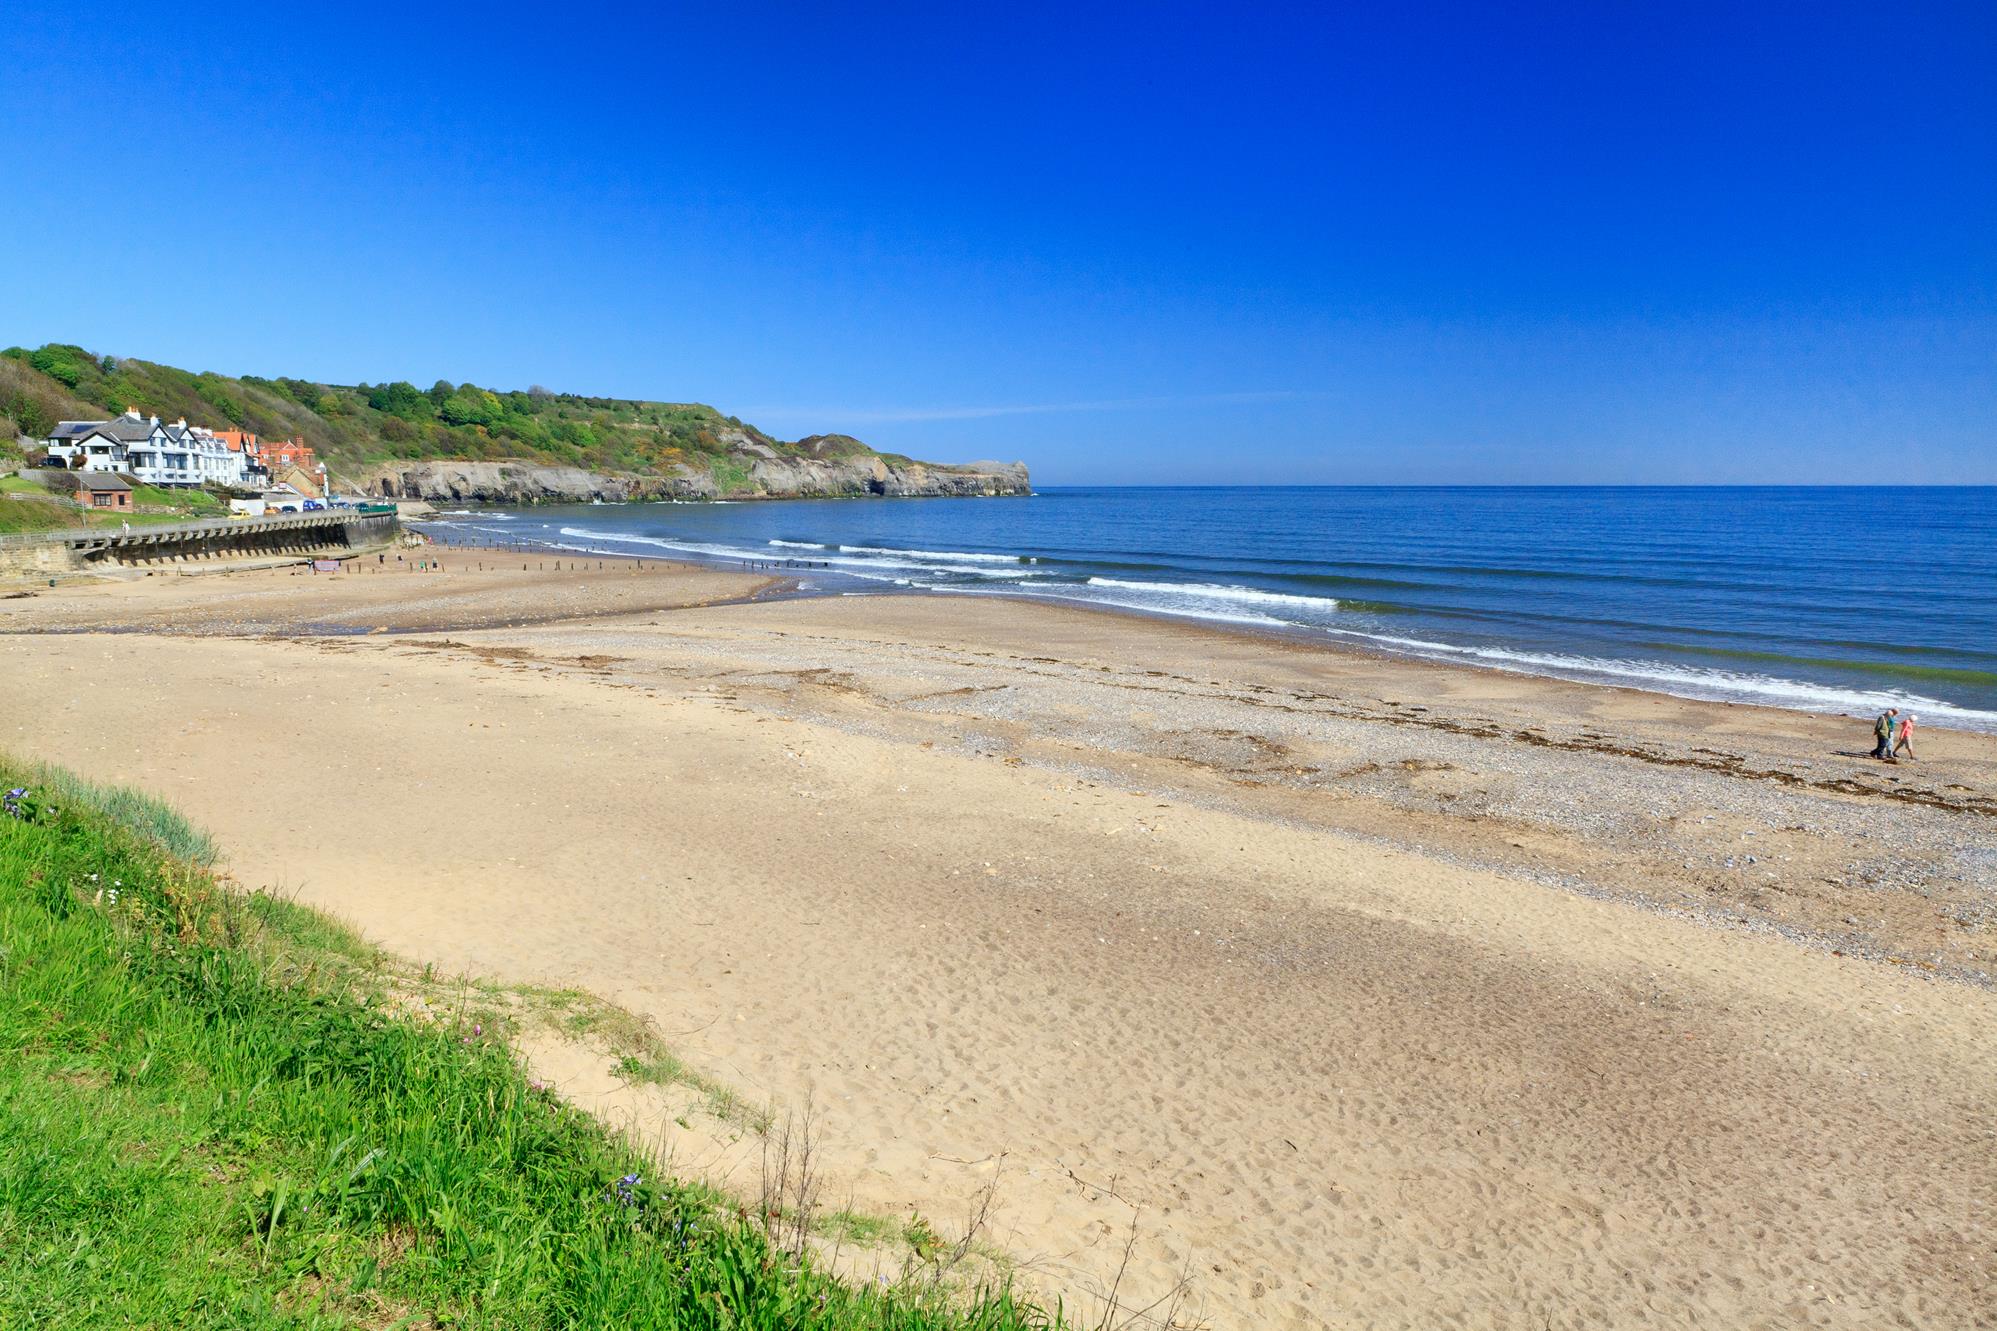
(107, 458)
(134, 493)
(140, 468)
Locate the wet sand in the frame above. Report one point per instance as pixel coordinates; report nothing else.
(1379, 994)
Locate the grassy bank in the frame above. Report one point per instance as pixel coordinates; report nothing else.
(206, 1120)
(27, 506)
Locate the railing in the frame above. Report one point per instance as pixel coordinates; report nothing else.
(154, 533)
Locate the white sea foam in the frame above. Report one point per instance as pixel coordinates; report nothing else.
(1693, 681)
(873, 569)
(659, 543)
(1217, 592)
(801, 545)
(1077, 594)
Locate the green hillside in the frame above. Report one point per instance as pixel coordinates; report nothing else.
(354, 424)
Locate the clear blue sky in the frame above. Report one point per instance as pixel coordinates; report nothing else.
(1165, 243)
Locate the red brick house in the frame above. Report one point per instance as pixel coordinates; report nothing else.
(96, 489)
(293, 452)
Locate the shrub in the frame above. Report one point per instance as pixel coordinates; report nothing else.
(61, 362)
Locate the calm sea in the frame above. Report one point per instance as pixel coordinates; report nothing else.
(1837, 600)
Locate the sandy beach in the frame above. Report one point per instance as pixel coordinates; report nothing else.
(1377, 994)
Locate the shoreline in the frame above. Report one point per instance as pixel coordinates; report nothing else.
(1935, 712)
(1307, 639)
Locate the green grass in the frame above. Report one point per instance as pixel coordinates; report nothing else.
(209, 1119)
(730, 476)
(192, 503)
(20, 515)
(42, 510)
(139, 814)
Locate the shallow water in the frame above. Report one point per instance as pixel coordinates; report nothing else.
(1826, 599)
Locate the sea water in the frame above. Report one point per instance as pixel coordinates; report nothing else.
(1825, 599)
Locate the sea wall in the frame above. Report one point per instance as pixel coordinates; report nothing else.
(290, 536)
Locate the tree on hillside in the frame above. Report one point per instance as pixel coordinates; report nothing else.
(471, 405)
(401, 399)
(61, 362)
(216, 395)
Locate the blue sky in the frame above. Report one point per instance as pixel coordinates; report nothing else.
(1597, 243)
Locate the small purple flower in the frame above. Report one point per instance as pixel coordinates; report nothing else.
(627, 1190)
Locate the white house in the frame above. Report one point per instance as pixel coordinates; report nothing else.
(139, 446)
(210, 458)
(102, 445)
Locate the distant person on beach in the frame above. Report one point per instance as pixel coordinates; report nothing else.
(1882, 734)
(1904, 737)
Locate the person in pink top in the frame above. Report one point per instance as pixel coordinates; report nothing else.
(1903, 739)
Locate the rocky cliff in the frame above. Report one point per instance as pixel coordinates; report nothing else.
(766, 475)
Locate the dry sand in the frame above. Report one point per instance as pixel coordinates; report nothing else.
(1379, 995)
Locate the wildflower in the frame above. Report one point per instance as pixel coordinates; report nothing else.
(627, 1190)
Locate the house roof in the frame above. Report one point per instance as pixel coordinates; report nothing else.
(99, 480)
(125, 429)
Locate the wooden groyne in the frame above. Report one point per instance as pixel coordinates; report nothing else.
(331, 534)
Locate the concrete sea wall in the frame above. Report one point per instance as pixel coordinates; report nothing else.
(292, 535)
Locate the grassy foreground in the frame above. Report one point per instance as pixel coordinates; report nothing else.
(199, 1129)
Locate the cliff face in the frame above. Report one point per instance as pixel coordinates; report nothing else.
(767, 475)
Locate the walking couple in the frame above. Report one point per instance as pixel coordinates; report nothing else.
(1893, 735)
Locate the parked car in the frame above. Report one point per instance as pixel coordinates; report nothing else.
(314, 506)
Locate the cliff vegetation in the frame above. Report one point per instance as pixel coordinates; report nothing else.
(383, 436)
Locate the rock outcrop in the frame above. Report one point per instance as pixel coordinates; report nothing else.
(758, 473)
